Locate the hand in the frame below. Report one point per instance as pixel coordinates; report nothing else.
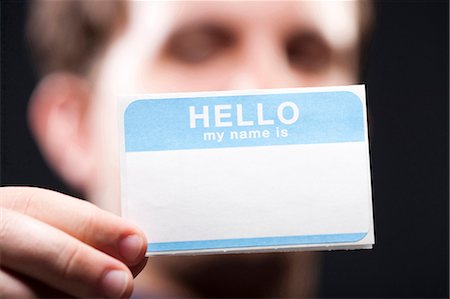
(56, 245)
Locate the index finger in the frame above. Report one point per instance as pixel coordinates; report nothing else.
(80, 219)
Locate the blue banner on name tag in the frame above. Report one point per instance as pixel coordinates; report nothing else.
(243, 120)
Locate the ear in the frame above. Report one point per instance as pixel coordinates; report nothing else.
(58, 117)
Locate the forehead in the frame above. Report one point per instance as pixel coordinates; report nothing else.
(336, 21)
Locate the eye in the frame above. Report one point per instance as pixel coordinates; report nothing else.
(199, 43)
(308, 52)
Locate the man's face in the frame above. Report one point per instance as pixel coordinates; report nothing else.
(197, 46)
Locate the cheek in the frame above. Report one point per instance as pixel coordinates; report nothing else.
(104, 140)
(119, 74)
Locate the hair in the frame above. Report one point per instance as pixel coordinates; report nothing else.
(70, 35)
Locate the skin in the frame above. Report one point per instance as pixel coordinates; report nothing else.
(54, 244)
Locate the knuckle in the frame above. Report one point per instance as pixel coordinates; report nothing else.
(87, 229)
(6, 225)
(68, 259)
(90, 216)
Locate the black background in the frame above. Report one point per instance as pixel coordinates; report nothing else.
(408, 93)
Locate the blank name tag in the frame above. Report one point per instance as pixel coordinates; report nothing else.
(247, 171)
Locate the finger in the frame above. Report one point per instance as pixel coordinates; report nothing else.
(38, 250)
(11, 287)
(14, 285)
(80, 219)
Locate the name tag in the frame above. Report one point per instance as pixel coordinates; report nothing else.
(244, 171)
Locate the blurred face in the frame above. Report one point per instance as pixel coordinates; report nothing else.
(197, 46)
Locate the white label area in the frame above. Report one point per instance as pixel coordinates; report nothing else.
(282, 191)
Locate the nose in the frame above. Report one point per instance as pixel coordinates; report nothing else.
(262, 63)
